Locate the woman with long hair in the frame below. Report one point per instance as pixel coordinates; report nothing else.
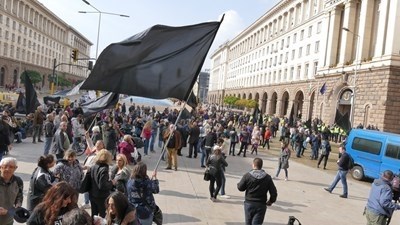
(119, 210)
(146, 135)
(127, 147)
(120, 173)
(214, 165)
(42, 179)
(58, 200)
(283, 161)
(101, 185)
(140, 193)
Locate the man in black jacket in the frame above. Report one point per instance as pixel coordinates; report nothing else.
(194, 135)
(257, 183)
(343, 164)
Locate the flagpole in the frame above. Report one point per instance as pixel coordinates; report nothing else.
(170, 135)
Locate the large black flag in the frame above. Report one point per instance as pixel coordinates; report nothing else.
(192, 100)
(31, 100)
(159, 63)
(106, 101)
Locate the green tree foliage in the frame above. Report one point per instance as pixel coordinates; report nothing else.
(33, 75)
(230, 100)
(63, 82)
(251, 104)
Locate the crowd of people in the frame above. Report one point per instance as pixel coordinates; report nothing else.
(121, 192)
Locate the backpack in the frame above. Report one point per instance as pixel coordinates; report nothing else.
(138, 142)
(351, 162)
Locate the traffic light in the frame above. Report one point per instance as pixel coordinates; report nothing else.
(74, 54)
(90, 65)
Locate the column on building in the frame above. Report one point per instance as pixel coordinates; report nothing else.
(392, 44)
(365, 28)
(333, 36)
(279, 106)
(349, 39)
(382, 28)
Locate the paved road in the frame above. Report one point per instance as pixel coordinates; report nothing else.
(184, 196)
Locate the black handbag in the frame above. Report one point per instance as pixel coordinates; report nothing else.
(86, 182)
(158, 216)
(207, 175)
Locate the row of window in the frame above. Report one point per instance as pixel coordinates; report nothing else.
(273, 77)
(261, 36)
(29, 15)
(33, 57)
(374, 147)
(273, 48)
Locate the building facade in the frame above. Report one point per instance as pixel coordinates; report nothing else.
(285, 58)
(32, 37)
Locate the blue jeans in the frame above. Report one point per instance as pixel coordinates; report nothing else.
(205, 152)
(86, 197)
(152, 140)
(223, 179)
(254, 213)
(47, 144)
(146, 143)
(148, 221)
(341, 175)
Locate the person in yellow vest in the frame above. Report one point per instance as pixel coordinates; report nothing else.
(336, 130)
(67, 102)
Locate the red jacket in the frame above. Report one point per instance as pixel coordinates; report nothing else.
(267, 135)
(126, 149)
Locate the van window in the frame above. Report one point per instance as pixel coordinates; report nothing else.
(365, 145)
(393, 151)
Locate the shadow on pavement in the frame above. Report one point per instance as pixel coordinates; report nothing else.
(179, 194)
(179, 218)
(287, 204)
(311, 183)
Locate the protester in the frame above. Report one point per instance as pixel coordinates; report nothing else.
(283, 161)
(127, 147)
(61, 141)
(234, 139)
(49, 130)
(173, 145)
(77, 216)
(325, 150)
(119, 211)
(69, 170)
(58, 200)
(5, 143)
(244, 138)
(194, 136)
(140, 193)
(257, 183)
(343, 164)
(38, 119)
(42, 180)
(215, 164)
(11, 189)
(89, 162)
(120, 174)
(146, 135)
(209, 141)
(380, 206)
(101, 184)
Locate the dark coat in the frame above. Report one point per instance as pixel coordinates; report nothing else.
(194, 133)
(101, 184)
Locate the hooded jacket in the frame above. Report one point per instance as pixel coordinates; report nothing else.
(257, 183)
(380, 198)
(72, 174)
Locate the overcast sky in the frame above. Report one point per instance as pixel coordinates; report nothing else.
(239, 14)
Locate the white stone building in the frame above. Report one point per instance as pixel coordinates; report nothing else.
(283, 59)
(31, 37)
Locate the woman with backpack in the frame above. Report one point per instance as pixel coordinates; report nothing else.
(325, 150)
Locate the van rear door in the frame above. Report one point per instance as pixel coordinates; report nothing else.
(391, 157)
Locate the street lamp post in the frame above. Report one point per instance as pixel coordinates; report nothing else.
(98, 27)
(353, 99)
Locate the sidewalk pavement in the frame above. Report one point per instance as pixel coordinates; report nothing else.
(184, 196)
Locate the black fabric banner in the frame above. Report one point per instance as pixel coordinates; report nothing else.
(343, 121)
(106, 101)
(32, 101)
(161, 62)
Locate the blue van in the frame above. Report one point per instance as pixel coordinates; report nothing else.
(373, 152)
